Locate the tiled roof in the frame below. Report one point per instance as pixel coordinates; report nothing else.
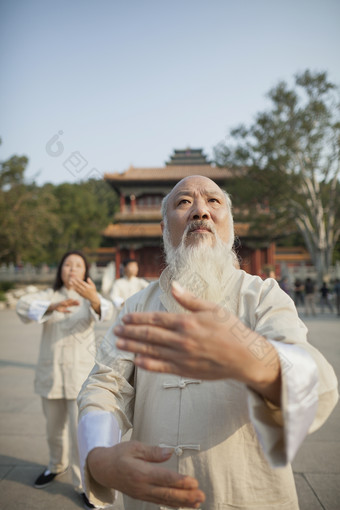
(124, 230)
(143, 230)
(168, 173)
(139, 215)
(241, 229)
(291, 254)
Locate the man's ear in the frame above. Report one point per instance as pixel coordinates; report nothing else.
(162, 226)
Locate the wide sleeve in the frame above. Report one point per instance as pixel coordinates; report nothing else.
(106, 403)
(96, 429)
(116, 294)
(33, 307)
(309, 385)
(106, 310)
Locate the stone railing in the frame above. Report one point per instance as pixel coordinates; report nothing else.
(303, 271)
(30, 279)
(29, 274)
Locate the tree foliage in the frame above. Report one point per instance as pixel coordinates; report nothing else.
(290, 155)
(25, 212)
(38, 224)
(83, 213)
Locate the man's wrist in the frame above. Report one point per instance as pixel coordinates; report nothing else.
(100, 465)
(261, 369)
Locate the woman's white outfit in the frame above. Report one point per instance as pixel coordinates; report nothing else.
(66, 356)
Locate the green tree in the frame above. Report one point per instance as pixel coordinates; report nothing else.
(84, 209)
(38, 224)
(288, 161)
(25, 212)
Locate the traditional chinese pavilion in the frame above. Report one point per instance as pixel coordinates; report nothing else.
(136, 232)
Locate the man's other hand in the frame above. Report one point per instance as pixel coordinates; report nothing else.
(133, 468)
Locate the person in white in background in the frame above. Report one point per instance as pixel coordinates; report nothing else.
(219, 384)
(108, 279)
(128, 285)
(67, 313)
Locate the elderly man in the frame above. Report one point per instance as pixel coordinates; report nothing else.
(211, 368)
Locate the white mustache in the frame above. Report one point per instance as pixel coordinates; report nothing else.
(194, 225)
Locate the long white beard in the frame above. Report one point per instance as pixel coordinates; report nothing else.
(200, 268)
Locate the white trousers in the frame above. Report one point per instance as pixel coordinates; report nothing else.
(61, 428)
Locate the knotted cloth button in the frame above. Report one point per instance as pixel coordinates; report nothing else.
(178, 451)
(182, 384)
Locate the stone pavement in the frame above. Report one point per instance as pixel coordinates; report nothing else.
(22, 429)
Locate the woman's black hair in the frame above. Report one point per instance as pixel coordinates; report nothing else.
(58, 281)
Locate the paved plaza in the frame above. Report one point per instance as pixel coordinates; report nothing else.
(23, 446)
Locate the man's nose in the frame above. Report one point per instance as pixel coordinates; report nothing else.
(200, 211)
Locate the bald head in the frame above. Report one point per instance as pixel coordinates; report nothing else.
(198, 199)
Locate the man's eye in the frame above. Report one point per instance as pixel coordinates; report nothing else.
(183, 201)
(213, 200)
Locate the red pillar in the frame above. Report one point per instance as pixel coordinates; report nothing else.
(271, 254)
(256, 262)
(122, 203)
(118, 261)
(133, 203)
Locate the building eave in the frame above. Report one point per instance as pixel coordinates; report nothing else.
(169, 174)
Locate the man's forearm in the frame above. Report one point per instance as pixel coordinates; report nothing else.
(262, 370)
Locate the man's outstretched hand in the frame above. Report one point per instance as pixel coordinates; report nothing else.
(134, 468)
(210, 343)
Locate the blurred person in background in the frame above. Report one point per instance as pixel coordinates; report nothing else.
(298, 292)
(310, 297)
(128, 285)
(325, 299)
(284, 284)
(67, 312)
(336, 290)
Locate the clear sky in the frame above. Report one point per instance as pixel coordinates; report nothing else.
(88, 87)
